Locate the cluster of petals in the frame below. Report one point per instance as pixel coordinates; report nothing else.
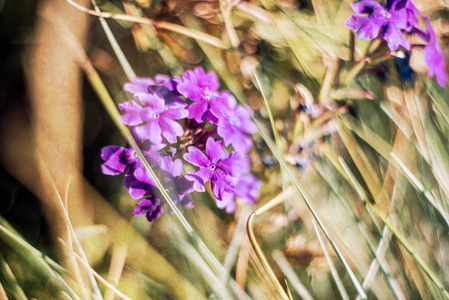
(154, 116)
(373, 20)
(217, 167)
(208, 103)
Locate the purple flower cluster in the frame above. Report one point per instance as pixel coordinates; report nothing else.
(372, 20)
(175, 120)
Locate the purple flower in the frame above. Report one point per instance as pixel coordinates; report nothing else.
(118, 159)
(151, 207)
(218, 168)
(169, 173)
(155, 119)
(384, 21)
(248, 191)
(202, 89)
(434, 57)
(233, 129)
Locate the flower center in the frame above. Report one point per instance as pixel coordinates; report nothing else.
(234, 121)
(386, 14)
(156, 115)
(213, 167)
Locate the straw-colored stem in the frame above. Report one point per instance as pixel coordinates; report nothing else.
(192, 33)
(263, 259)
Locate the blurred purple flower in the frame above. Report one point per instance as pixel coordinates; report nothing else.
(434, 57)
(202, 88)
(218, 167)
(384, 21)
(248, 191)
(151, 207)
(169, 174)
(233, 129)
(118, 159)
(155, 119)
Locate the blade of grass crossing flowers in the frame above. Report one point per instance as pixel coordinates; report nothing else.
(338, 282)
(109, 104)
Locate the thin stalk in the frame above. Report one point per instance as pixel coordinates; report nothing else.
(301, 192)
(98, 276)
(263, 259)
(115, 46)
(192, 33)
(338, 282)
(288, 271)
(432, 276)
(109, 104)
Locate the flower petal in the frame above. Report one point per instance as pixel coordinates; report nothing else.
(196, 157)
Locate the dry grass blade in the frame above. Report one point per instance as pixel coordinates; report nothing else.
(118, 259)
(98, 276)
(291, 276)
(10, 281)
(338, 282)
(192, 33)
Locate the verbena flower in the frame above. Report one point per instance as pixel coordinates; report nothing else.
(434, 57)
(373, 20)
(233, 129)
(216, 167)
(170, 176)
(151, 207)
(208, 103)
(154, 119)
(247, 191)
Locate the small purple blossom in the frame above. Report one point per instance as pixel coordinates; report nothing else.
(155, 119)
(208, 103)
(434, 57)
(386, 22)
(233, 129)
(169, 174)
(216, 166)
(151, 207)
(118, 159)
(248, 191)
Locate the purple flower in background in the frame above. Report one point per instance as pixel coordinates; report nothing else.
(233, 129)
(151, 207)
(155, 119)
(434, 57)
(410, 8)
(118, 159)
(169, 175)
(248, 191)
(384, 21)
(202, 88)
(218, 167)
